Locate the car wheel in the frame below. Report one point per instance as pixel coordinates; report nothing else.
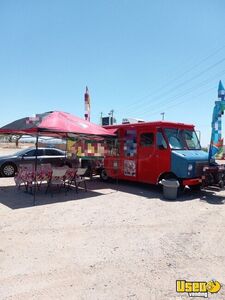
(103, 175)
(8, 170)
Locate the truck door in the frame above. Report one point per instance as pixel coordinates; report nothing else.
(162, 154)
(153, 156)
(146, 156)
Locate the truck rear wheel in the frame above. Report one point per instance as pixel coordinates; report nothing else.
(103, 175)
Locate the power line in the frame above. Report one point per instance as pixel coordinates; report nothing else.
(191, 79)
(184, 93)
(181, 75)
(175, 105)
(177, 87)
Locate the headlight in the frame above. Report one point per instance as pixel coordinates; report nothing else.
(190, 167)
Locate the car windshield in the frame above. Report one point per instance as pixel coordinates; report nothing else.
(182, 139)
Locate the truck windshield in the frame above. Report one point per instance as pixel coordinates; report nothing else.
(182, 139)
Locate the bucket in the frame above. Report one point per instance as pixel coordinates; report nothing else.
(170, 187)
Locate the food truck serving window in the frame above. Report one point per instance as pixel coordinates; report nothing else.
(147, 139)
(111, 147)
(130, 143)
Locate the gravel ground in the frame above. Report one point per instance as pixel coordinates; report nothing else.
(113, 242)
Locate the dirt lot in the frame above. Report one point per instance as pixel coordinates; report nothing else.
(114, 242)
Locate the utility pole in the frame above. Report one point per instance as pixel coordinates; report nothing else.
(163, 114)
(111, 114)
(101, 118)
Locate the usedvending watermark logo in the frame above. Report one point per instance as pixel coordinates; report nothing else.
(198, 288)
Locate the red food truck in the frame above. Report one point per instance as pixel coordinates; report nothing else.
(151, 151)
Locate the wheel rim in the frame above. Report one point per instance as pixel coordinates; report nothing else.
(8, 170)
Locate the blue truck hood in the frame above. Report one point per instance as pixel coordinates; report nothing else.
(181, 159)
(192, 155)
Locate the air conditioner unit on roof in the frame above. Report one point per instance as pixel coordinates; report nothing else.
(131, 120)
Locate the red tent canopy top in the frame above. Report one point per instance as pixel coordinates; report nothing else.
(56, 123)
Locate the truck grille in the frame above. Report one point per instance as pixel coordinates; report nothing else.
(199, 165)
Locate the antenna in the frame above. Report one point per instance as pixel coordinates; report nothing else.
(163, 114)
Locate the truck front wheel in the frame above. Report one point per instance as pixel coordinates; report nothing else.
(167, 176)
(196, 187)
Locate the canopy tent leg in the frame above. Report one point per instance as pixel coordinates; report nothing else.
(35, 171)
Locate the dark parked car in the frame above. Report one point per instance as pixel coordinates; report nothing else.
(9, 164)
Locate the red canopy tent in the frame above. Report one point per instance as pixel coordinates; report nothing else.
(55, 123)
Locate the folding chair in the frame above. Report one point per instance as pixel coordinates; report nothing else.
(44, 173)
(25, 176)
(69, 177)
(57, 178)
(80, 178)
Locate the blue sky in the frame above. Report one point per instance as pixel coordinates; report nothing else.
(139, 58)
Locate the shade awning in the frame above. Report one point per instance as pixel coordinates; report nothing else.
(56, 123)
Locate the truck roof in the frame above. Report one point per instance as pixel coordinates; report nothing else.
(154, 123)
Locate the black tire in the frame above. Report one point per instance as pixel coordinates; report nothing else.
(168, 176)
(103, 175)
(8, 169)
(196, 187)
(221, 184)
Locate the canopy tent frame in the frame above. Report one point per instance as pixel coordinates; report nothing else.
(67, 126)
(37, 137)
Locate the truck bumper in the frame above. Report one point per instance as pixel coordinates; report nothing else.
(192, 181)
